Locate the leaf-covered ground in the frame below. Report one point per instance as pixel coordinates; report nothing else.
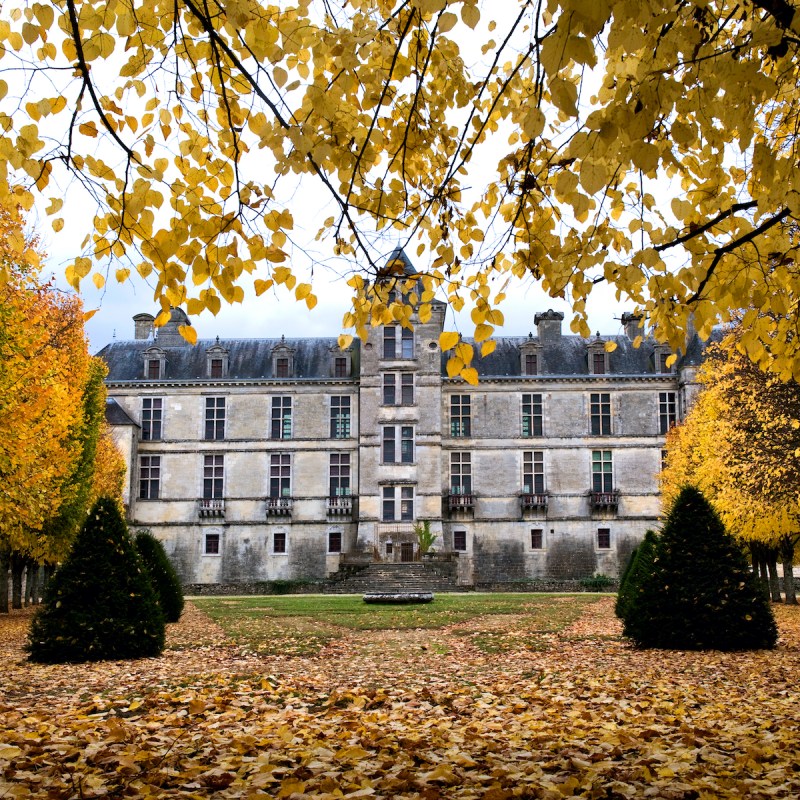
(537, 712)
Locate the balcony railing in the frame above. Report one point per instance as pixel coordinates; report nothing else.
(457, 501)
(211, 507)
(340, 505)
(279, 506)
(533, 501)
(604, 500)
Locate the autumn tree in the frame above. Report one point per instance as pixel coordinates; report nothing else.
(100, 603)
(698, 593)
(108, 478)
(44, 366)
(740, 444)
(539, 145)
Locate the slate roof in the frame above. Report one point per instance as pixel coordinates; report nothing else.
(248, 359)
(116, 414)
(567, 355)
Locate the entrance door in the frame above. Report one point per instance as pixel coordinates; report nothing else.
(407, 551)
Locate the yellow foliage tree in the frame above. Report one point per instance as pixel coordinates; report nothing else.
(740, 445)
(189, 123)
(109, 469)
(44, 366)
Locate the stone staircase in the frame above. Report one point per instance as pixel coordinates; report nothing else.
(387, 578)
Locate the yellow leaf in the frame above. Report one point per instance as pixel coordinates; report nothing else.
(98, 280)
(188, 333)
(610, 347)
(302, 290)
(448, 340)
(87, 315)
(470, 375)
(488, 347)
(470, 15)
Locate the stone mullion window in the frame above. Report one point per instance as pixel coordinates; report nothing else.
(215, 418)
(280, 475)
(339, 474)
(461, 473)
(532, 415)
(600, 413)
(602, 471)
(213, 477)
(281, 427)
(533, 472)
(460, 415)
(149, 477)
(667, 411)
(152, 411)
(340, 417)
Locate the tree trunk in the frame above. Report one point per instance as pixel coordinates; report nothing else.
(17, 566)
(774, 580)
(4, 564)
(47, 573)
(760, 566)
(32, 584)
(787, 557)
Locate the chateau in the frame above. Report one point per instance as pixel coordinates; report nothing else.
(265, 459)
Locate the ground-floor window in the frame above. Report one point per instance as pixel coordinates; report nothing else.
(460, 541)
(537, 539)
(279, 542)
(334, 541)
(211, 544)
(604, 538)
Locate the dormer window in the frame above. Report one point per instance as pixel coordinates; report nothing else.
(283, 360)
(661, 356)
(155, 360)
(530, 353)
(341, 362)
(598, 358)
(217, 361)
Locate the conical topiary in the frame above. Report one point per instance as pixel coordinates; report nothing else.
(100, 603)
(639, 565)
(162, 575)
(699, 593)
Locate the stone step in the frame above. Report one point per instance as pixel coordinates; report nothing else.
(396, 578)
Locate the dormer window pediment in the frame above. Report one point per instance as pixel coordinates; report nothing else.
(661, 355)
(341, 362)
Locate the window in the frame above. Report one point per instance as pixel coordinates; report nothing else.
(460, 541)
(398, 504)
(667, 415)
(531, 364)
(533, 472)
(153, 368)
(398, 439)
(340, 367)
(152, 410)
(537, 539)
(532, 415)
(282, 369)
(280, 475)
(460, 419)
(279, 542)
(663, 460)
(213, 469)
(216, 368)
(394, 335)
(661, 363)
(398, 388)
(460, 473)
(149, 477)
(604, 538)
(339, 474)
(602, 480)
(340, 417)
(215, 418)
(334, 541)
(281, 418)
(599, 363)
(600, 413)
(211, 545)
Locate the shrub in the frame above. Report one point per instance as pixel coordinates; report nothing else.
(100, 603)
(640, 564)
(699, 593)
(597, 583)
(162, 574)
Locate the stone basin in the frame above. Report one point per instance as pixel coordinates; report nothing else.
(398, 597)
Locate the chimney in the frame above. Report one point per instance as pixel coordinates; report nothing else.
(633, 325)
(169, 336)
(143, 326)
(548, 325)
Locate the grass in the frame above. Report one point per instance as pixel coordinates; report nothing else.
(303, 624)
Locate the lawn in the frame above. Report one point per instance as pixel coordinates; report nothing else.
(305, 624)
(478, 696)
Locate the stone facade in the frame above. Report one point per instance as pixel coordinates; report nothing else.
(279, 459)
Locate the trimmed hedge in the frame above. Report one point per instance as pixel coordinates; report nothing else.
(100, 603)
(162, 574)
(639, 565)
(699, 593)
